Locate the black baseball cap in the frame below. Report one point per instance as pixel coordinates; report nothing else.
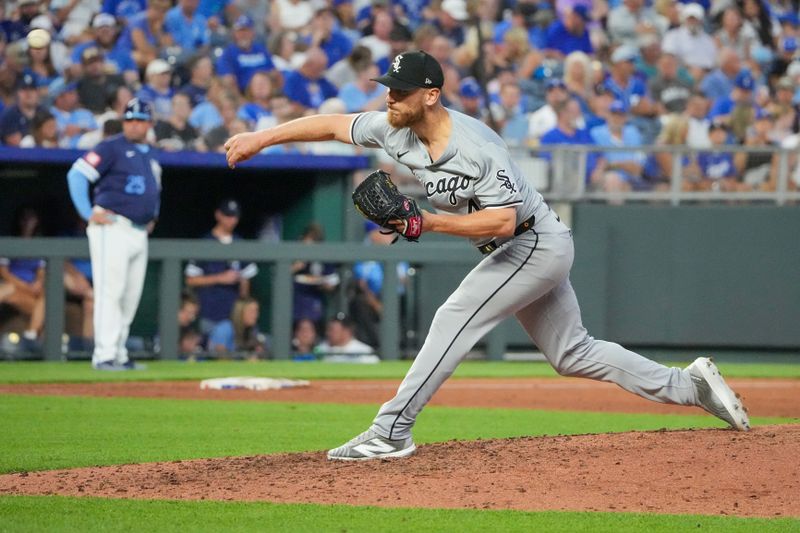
(413, 70)
(230, 208)
(137, 110)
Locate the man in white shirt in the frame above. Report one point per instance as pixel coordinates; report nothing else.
(695, 48)
(544, 119)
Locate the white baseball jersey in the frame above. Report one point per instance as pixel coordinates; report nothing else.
(475, 172)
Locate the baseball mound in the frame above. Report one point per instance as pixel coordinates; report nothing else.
(699, 472)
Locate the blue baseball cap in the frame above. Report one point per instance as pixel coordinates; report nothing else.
(789, 44)
(789, 18)
(243, 21)
(618, 106)
(554, 83)
(59, 86)
(230, 208)
(469, 88)
(137, 110)
(582, 11)
(27, 81)
(744, 80)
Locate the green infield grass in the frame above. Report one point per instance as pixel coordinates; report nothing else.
(45, 432)
(51, 372)
(52, 513)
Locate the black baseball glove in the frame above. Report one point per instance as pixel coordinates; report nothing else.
(378, 200)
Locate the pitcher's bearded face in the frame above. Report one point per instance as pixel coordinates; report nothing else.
(404, 108)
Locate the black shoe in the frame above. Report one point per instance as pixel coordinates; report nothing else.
(113, 366)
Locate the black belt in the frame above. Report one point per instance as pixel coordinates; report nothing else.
(491, 246)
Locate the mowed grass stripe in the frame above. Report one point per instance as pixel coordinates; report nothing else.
(47, 372)
(53, 513)
(50, 432)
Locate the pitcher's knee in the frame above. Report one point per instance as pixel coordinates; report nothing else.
(568, 363)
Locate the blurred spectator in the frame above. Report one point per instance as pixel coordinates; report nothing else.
(471, 99)
(256, 111)
(759, 170)
(95, 84)
(17, 28)
(718, 172)
(669, 91)
(787, 50)
(175, 133)
(736, 33)
(630, 20)
(239, 334)
(737, 108)
(219, 283)
(719, 82)
(201, 72)
(123, 9)
(324, 35)
(568, 115)
(658, 166)
(187, 28)
(117, 58)
(450, 20)
(304, 339)
(306, 87)
(144, 34)
(509, 115)
(205, 115)
(544, 119)
(215, 139)
(73, 121)
(73, 18)
(378, 42)
(313, 281)
(44, 131)
(340, 340)
(23, 278)
(15, 122)
(366, 307)
(243, 57)
(569, 33)
(698, 123)
(631, 90)
(599, 105)
(364, 94)
(690, 43)
(578, 79)
(441, 48)
(649, 53)
(623, 169)
(783, 109)
(285, 49)
(189, 338)
(116, 103)
(290, 14)
(157, 89)
(757, 13)
(346, 71)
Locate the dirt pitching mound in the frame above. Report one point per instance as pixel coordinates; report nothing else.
(702, 472)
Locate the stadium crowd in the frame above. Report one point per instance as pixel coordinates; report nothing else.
(605, 73)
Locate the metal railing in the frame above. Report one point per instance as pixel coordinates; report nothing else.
(562, 177)
(172, 253)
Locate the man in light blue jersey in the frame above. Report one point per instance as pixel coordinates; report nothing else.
(480, 193)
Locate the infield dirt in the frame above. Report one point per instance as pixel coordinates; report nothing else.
(712, 471)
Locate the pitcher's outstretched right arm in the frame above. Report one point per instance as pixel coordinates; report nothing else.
(243, 146)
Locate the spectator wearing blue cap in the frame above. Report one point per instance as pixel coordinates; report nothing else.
(15, 122)
(786, 53)
(73, 120)
(623, 169)
(188, 28)
(740, 97)
(470, 98)
(544, 119)
(569, 33)
(631, 89)
(690, 43)
(325, 35)
(244, 56)
(116, 52)
(719, 82)
(718, 171)
(307, 87)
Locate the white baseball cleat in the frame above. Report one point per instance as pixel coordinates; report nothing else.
(715, 396)
(370, 445)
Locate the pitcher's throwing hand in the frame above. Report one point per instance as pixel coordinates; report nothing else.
(241, 147)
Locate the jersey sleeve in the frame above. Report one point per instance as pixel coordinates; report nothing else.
(498, 184)
(369, 129)
(96, 162)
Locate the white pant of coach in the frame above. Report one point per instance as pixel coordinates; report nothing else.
(119, 262)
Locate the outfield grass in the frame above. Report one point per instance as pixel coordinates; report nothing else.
(51, 513)
(47, 372)
(45, 432)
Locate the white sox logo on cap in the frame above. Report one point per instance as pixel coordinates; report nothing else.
(396, 63)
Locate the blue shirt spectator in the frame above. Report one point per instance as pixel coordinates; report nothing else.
(356, 98)
(570, 34)
(243, 57)
(123, 9)
(189, 29)
(307, 91)
(119, 58)
(72, 121)
(716, 165)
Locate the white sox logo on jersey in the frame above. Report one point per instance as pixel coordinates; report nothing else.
(505, 181)
(396, 63)
(450, 186)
